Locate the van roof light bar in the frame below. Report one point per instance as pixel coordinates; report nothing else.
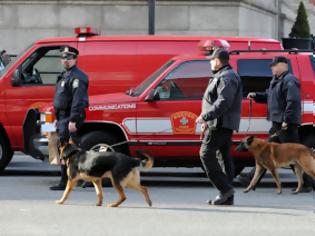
(207, 46)
(85, 31)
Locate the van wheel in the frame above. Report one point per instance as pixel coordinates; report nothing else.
(238, 168)
(6, 154)
(99, 141)
(308, 140)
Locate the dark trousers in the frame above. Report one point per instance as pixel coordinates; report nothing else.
(219, 139)
(64, 136)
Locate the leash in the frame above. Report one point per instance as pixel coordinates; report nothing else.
(124, 142)
(250, 113)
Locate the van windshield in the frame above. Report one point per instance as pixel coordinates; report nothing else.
(13, 60)
(145, 84)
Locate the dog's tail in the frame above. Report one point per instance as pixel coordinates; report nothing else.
(148, 160)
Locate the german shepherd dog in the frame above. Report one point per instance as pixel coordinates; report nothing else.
(270, 155)
(122, 170)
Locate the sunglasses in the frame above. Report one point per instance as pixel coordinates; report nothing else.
(69, 57)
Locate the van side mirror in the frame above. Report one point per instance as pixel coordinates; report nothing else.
(152, 96)
(16, 79)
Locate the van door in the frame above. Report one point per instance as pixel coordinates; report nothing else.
(33, 84)
(166, 127)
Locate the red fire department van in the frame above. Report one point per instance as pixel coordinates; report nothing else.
(159, 114)
(113, 64)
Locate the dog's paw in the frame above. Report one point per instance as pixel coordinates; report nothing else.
(59, 202)
(99, 204)
(150, 203)
(112, 205)
(246, 190)
(279, 192)
(295, 191)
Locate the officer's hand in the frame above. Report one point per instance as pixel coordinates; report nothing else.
(251, 95)
(72, 127)
(199, 120)
(284, 125)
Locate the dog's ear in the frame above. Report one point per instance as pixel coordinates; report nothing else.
(250, 140)
(71, 141)
(67, 150)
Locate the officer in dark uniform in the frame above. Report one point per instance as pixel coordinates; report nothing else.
(284, 111)
(220, 115)
(70, 101)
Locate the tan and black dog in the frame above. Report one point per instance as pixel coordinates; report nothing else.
(270, 156)
(94, 166)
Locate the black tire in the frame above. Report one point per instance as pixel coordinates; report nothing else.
(96, 139)
(238, 168)
(6, 153)
(308, 140)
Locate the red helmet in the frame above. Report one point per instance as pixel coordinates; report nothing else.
(209, 45)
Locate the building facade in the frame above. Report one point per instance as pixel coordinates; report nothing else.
(23, 22)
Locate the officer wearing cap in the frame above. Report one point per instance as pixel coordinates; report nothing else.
(220, 116)
(284, 109)
(70, 101)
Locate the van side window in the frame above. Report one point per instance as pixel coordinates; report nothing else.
(255, 74)
(188, 81)
(312, 58)
(42, 67)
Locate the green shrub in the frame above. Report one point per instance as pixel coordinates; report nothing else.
(301, 27)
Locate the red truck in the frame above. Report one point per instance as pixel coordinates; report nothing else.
(164, 123)
(113, 64)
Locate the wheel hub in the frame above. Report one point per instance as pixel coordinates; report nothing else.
(102, 147)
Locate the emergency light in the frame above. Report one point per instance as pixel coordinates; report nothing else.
(207, 46)
(85, 31)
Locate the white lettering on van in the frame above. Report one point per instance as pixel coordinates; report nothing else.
(112, 107)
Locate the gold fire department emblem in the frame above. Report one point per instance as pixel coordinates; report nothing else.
(183, 122)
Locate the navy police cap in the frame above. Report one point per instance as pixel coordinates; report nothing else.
(278, 59)
(66, 51)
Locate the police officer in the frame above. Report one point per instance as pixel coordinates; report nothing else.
(5, 58)
(220, 115)
(284, 110)
(70, 101)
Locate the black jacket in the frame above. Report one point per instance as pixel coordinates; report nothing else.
(283, 99)
(72, 93)
(222, 100)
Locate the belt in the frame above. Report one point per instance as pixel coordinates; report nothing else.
(63, 112)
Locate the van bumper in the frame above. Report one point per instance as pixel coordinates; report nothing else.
(41, 146)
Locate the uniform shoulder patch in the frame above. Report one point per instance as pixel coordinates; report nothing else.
(75, 83)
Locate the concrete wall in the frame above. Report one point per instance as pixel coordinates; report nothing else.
(23, 22)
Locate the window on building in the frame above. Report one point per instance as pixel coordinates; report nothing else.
(186, 82)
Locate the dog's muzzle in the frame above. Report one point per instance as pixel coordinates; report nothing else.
(241, 147)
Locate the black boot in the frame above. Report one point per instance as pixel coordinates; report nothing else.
(223, 198)
(63, 181)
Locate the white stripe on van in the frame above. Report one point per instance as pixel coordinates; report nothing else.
(162, 126)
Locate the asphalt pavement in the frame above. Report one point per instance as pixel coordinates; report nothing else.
(179, 206)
